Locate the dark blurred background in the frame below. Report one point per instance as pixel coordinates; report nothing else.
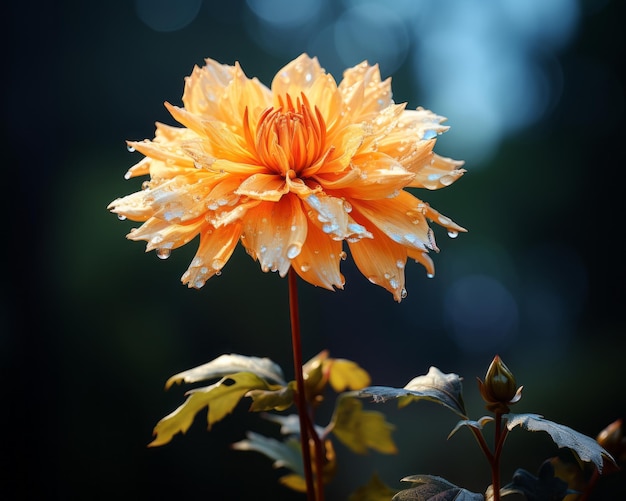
(91, 327)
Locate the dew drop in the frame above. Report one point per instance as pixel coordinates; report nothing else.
(347, 206)
(304, 267)
(130, 148)
(403, 293)
(430, 275)
(343, 256)
(121, 217)
(453, 234)
(293, 250)
(163, 253)
(429, 134)
(400, 264)
(217, 264)
(127, 175)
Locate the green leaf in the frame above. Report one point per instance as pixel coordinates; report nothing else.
(479, 425)
(359, 429)
(278, 399)
(374, 490)
(586, 448)
(434, 488)
(221, 398)
(545, 487)
(444, 389)
(225, 365)
(286, 454)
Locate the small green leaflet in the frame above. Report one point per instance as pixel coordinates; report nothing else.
(444, 389)
(585, 447)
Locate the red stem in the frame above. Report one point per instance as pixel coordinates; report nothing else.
(307, 429)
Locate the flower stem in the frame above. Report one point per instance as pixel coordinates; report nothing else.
(307, 429)
(500, 435)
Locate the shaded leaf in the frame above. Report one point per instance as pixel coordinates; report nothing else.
(221, 398)
(347, 375)
(374, 490)
(278, 398)
(586, 448)
(444, 389)
(359, 429)
(474, 424)
(290, 424)
(432, 488)
(544, 487)
(286, 454)
(225, 365)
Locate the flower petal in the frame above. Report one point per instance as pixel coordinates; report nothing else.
(364, 92)
(379, 176)
(216, 247)
(274, 233)
(297, 76)
(267, 187)
(382, 261)
(399, 218)
(438, 173)
(318, 262)
(162, 234)
(333, 215)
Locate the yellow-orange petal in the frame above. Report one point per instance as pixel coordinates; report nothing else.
(319, 259)
(382, 262)
(397, 218)
(267, 187)
(333, 216)
(364, 91)
(296, 77)
(424, 259)
(343, 148)
(205, 86)
(162, 234)
(216, 247)
(171, 154)
(437, 217)
(380, 176)
(438, 173)
(274, 233)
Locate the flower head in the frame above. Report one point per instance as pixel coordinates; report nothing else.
(292, 172)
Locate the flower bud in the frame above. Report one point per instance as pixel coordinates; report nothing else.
(612, 438)
(499, 389)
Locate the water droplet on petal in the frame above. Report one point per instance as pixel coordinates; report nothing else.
(430, 275)
(429, 134)
(304, 267)
(453, 234)
(343, 256)
(163, 253)
(121, 217)
(403, 293)
(130, 148)
(127, 175)
(217, 264)
(400, 264)
(293, 250)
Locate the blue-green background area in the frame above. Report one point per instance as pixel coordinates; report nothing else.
(92, 327)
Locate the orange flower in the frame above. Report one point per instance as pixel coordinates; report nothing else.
(292, 172)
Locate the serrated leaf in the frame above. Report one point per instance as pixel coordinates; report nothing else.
(221, 398)
(277, 398)
(544, 487)
(347, 375)
(432, 488)
(359, 429)
(586, 448)
(473, 424)
(284, 454)
(444, 389)
(374, 490)
(290, 424)
(225, 365)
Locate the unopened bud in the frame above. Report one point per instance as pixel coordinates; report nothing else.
(612, 438)
(499, 388)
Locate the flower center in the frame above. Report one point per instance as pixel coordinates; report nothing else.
(291, 137)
